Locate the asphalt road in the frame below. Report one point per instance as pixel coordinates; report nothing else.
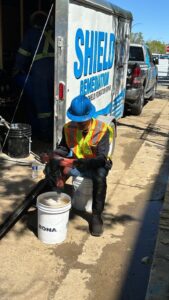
(116, 265)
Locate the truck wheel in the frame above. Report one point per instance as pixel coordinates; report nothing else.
(138, 106)
(153, 92)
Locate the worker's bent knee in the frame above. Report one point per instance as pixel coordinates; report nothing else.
(100, 174)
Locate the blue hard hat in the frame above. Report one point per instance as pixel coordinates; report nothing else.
(81, 109)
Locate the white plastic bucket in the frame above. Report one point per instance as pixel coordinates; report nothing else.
(82, 193)
(53, 216)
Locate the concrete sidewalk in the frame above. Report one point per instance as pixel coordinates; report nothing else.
(158, 287)
(76, 268)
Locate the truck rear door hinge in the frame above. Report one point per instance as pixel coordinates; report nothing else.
(60, 42)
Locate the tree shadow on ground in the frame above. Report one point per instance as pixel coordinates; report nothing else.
(162, 94)
(134, 285)
(128, 109)
(30, 219)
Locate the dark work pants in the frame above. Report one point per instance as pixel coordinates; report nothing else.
(98, 177)
(99, 190)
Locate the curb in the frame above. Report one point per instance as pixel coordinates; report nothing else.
(158, 286)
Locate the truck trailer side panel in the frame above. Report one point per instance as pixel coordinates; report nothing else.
(91, 54)
(91, 45)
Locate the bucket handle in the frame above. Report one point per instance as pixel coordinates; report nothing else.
(27, 137)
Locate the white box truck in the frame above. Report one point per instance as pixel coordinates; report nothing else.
(163, 70)
(162, 61)
(91, 55)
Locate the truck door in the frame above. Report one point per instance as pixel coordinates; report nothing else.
(151, 69)
(121, 61)
(90, 61)
(85, 36)
(84, 57)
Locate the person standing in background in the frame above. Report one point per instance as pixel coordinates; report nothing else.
(39, 89)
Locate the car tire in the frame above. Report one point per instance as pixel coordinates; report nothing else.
(138, 106)
(153, 92)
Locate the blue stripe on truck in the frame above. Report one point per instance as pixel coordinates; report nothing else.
(117, 107)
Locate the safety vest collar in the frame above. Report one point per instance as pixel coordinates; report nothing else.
(83, 147)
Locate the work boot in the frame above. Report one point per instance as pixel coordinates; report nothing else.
(96, 225)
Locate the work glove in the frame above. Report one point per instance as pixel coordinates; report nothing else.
(67, 162)
(46, 157)
(63, 162)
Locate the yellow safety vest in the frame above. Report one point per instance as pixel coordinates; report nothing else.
(84, 147)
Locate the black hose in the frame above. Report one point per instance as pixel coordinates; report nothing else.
(22, 208)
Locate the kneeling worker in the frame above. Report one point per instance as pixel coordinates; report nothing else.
(88, 140)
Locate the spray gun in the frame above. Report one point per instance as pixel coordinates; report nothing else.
(54, 168)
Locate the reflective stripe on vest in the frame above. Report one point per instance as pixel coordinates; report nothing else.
(48, 41)
(44, 115)
(24, 52)
(42, 55)
(83, 147)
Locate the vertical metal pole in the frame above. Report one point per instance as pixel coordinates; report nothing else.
(1, 46)
(21, 19)
(54, 85)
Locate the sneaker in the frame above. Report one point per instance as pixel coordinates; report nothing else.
(96, 225)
